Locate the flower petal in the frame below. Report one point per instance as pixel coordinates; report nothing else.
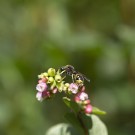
(41, 87)
(39, 96)
(73, 88)
(83, 96)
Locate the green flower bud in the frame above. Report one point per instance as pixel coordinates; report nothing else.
(58, 78)
(41, 76)
(53, 85)
(51, 72)
(60, 87)
(65, 88)
(45, 74)
(50, 80)
(67, 85)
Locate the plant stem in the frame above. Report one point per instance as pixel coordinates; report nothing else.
(82, 124)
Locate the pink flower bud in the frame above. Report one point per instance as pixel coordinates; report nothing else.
(87, 102)
(88, 109)
(46, 94)
(82, 88)
(76, 99)
(54, 90)
(40, 81)
(41, 87)
(73, 88)
(43, 80)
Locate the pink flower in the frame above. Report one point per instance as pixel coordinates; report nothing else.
(73, 88)
(42, 95)
(41, 87)
(39, 96)
(88, 109)
(83, 96)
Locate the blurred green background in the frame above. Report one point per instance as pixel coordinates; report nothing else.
(96, 37)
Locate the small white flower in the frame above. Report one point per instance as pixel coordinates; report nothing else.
(83, 96)
(41, 87)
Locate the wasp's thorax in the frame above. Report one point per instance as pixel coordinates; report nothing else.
(68, 69)
(76, 76)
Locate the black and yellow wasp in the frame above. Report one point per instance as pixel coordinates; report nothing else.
(77, 77)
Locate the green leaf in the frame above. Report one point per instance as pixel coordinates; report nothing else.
(71, 104)
(62, 129)
(86, 119)
(72, 119)
(96, 110)
(67, 101)
(98, 127)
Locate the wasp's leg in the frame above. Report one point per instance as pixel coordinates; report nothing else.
(63, 72)
(73, 78)
(63, 78)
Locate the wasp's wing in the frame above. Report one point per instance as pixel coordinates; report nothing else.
(87, 79)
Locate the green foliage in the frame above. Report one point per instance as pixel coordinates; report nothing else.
(72, 119)
(96, 110)
(97, 128)
(72, 105)
(87, 122)
(62, 129)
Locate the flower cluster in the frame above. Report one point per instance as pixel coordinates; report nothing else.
(82, 98)
(51, 82)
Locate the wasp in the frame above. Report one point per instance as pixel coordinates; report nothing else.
(76, 76)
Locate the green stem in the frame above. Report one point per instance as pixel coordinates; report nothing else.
(82, 124)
